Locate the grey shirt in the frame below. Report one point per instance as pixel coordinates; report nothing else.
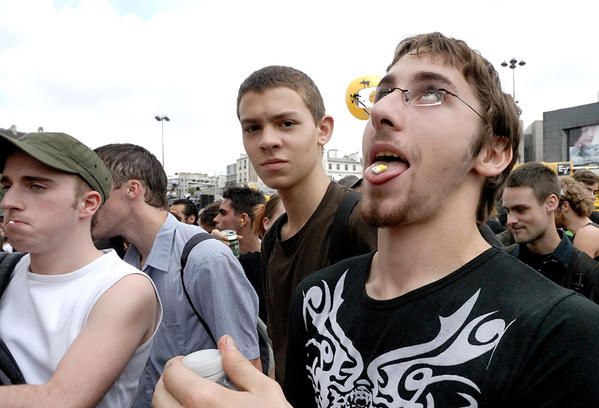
(218, 288)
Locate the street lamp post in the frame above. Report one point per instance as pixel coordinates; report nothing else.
(161, 119)
(512, 65)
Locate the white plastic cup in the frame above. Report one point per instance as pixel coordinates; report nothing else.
(209, 365)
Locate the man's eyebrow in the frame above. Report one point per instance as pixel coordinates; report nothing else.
(276, 117)
(387, 80)
(420, 76)
(432, 76)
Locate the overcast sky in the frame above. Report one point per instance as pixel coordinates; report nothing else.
(101, 70)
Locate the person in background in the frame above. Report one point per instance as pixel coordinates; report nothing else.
(590, 182)
(575, 207)
(213, 279)
(266, 214)
(236, 212)
(532, 199)
(207, 215)
(185, 211)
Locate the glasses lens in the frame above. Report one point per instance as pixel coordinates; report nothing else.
(428, 97)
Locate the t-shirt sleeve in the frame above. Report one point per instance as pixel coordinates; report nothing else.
(297, 387)
(562, 368)
(227, 302)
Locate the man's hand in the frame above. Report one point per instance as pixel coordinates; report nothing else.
(181, 387)
(219, 235)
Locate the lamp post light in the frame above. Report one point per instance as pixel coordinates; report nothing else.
(161, 119)
(512, 65)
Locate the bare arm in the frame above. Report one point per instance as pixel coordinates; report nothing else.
(122, 319)
(179, 386)
(587, 240)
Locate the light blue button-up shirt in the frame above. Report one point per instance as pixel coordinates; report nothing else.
(218, 289)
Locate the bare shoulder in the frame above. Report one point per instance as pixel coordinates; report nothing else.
(589, 234)
(131, 297)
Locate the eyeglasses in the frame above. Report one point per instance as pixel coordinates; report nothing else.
(427, 97)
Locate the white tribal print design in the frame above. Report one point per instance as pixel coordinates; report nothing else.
(398, 378)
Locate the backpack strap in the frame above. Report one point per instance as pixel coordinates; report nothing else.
(189, 245)
(339, 231)
(10, 373)
(8, 261)
(264, 342)
(583, 264)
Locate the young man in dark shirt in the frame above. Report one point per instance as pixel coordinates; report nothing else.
(532, 199)
(436, 317)
(285, 128)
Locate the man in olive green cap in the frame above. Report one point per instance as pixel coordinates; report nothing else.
(77, 321)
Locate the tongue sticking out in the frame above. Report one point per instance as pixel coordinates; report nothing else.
(381, 171)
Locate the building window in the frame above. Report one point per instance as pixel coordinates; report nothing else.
(346, 168)
(330, 166)
(354, 167)
(337, 166)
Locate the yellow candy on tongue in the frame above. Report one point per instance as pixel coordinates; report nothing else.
(380, 168)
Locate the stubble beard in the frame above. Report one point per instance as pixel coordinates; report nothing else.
(417, 206)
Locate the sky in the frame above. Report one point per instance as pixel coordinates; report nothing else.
(101, 70)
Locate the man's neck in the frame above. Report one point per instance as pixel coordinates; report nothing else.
(415, 255)
(546, 244)
(250, 242)
(142, 231)
(66, 256)
(301, 200)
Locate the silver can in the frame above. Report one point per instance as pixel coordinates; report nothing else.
(233, 241)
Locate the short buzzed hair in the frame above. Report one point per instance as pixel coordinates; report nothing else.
(541, 179)
(276, 76)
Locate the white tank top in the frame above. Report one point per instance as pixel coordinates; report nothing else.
(41, 315)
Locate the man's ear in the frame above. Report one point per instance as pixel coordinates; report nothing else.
(325, 129)
(135, 189)
(552, 203)
(494, 157)
(89, 203)
(244, 220)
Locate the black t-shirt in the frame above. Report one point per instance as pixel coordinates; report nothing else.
(250, 261)
(308, 251)
(494, 333)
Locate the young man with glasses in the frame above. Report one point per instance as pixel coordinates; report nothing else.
(436, 317)
(533, 199)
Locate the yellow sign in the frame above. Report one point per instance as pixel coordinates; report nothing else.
(359, 96)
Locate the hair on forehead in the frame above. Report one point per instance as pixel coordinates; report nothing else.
(541, 179)
(276, 76)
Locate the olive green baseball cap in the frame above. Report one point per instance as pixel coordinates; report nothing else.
(61, 152)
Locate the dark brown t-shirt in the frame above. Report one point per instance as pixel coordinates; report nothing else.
(308, 251)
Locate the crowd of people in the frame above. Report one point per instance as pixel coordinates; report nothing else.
(396, 295)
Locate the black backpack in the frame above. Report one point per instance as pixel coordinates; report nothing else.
(10, 374)
(266, 353)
